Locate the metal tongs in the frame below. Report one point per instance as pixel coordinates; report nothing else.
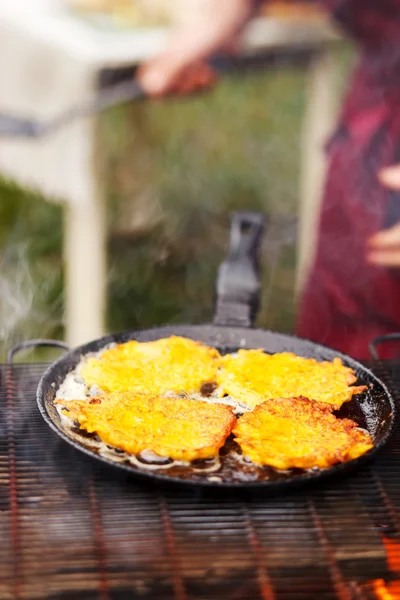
(12, 126)
(120, 93)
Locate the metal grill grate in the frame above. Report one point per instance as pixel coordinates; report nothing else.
(72, 529)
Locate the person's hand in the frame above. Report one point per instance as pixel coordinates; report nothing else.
(384, 247)
(181, 68)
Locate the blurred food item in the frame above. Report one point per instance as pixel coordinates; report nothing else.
(136, 13)
(127, 13)
(293, 10)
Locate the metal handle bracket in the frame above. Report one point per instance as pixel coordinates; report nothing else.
(238, 281)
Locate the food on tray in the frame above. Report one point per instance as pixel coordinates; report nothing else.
(170, 364)
(296, 432)
(177, 428)
(251, 376)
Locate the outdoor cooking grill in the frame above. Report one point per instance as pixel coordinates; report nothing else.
(72, 528)
(237, 300)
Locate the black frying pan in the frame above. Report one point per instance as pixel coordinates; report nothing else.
(237, 301)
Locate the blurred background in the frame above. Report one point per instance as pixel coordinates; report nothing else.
(174, 172)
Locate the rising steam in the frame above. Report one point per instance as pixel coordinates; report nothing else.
(22, 297)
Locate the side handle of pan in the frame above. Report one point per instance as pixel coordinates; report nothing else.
(389, 337)
(238, 281)
(35, 344)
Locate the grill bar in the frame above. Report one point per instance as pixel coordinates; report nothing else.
(267, 592)
(177, 580)
(99, 540)
(13, 487)
(356, 592)
(70, 529)
(342, 592)
(387, 504)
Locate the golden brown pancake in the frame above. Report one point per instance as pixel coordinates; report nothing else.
(298, 432)
(177, 428)
(170, 364)
(253, 376)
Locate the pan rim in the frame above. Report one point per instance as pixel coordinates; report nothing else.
(48, 378)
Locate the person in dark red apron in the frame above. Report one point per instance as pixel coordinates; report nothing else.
(353, 292)
(352, 295)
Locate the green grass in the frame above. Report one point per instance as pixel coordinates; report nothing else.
(191, 164)
(175, 172)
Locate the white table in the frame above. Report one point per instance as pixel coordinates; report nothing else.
(67, 166)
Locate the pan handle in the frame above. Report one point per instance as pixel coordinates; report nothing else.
(389, 337)
(238, 280)
(35, 344)
(120, 93)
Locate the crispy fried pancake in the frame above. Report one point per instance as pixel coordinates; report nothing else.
(253, 376)
(297, 432)
(171, 364)
(177, 428)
